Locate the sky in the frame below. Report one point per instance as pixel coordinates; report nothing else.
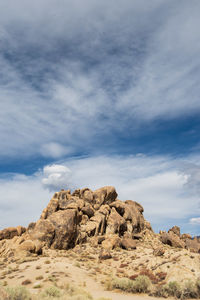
(96, 93)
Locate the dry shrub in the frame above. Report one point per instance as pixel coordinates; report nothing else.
(18, 293)
(150, 275)
(140, 285)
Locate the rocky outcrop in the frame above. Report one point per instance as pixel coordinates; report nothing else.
(98, 217)
(71, 219)
(10, 232)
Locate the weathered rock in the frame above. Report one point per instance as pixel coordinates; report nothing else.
(100, 223)
(43, 231)
(105, 195)
(193, 245)
(128, 243)
(27, 245)
(88, 210)
(115, 223)
(186, 236)
(176, 230)
(70, 219)
(133, 213)
(172, 239)
(119, 206)
(87, 195)
(159, 251)
(65, 224)
(20, 230)
(111, 242)
(50, 209)
(8, 233)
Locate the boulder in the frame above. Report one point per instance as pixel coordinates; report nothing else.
(105, 195)
(50, 209)
(65, 224)
(158, 251)
(176, 230)
(119, 206)
(8, 233)
(186, 236)
(88, 210)
(133, 213)
(43, 231)
(111, 242)
(128, 243)
(172, 239)
(87, 195)
(27, 245)
(193, 245)
(115, 223)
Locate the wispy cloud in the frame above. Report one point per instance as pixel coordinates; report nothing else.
(73, 72)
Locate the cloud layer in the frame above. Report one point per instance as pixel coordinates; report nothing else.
(75, 73)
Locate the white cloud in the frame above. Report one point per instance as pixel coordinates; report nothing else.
(195, 221)
(56, 177)
(54, 150)
(22, 200)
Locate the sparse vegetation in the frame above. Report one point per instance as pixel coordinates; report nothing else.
(18, 293)
(141, 284)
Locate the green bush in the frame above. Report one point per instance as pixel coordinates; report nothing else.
(52, 291)
(140, 285)
(18, 293)
(190, 290)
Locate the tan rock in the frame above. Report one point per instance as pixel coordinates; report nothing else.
(159, 251)
(186, 236)
(8, 233)
(111, 242)
(65, 224)
(115, 223)
(50, 209)
(27, 245)
(172, 239)
(20, 230)
(193, 245)
(88, 210)
(119, 206)
(105, 195)
(128, 243)
(176, 230)
(133, 213)
(43, 231)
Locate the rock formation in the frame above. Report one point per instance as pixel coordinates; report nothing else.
(84, 216)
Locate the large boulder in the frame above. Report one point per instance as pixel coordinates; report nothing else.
(43, 231)
(172, 239)
(105, 195)
(176, 230)
(115, 223)
(65, 224)
(11, 232)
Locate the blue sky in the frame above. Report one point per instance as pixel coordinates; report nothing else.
(99, 93)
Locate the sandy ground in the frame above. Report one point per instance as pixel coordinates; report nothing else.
(45, 271)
